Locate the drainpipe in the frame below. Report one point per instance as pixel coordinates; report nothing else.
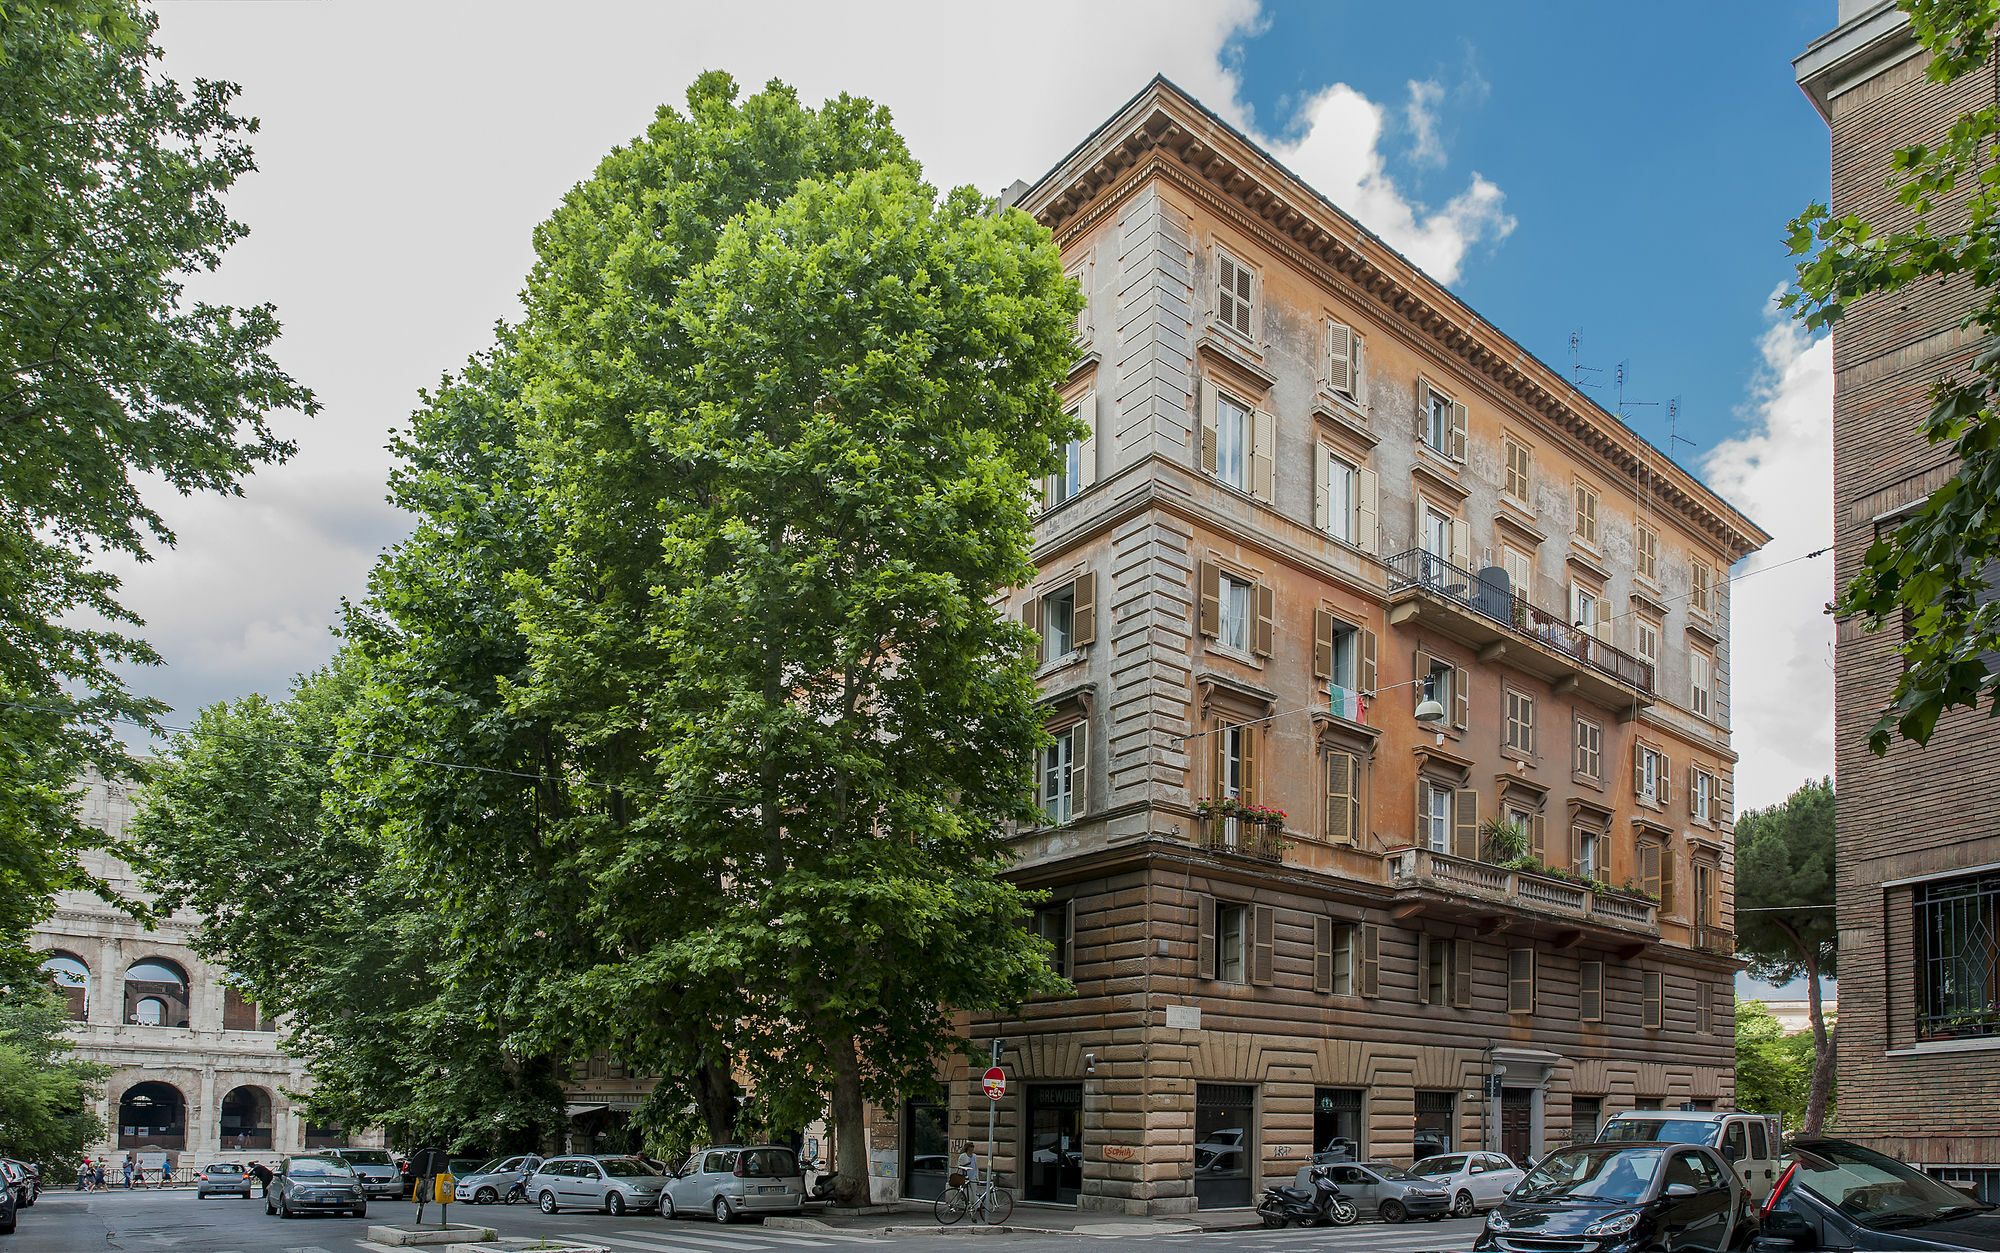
(1486, 1101)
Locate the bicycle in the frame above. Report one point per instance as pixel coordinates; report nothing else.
(985, 1199)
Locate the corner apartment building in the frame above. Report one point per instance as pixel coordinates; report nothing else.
(1319, 493)
(1917, 846)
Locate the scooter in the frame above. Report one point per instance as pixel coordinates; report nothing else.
(1323, 1202)
(823, 1182)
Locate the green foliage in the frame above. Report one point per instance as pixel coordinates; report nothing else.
(1773, 1070)
(112, 181)
(1784, 886)
(45, 1095)
(1935, 577)
(1505, 839)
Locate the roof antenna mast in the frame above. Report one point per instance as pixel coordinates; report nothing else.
(1576, 371)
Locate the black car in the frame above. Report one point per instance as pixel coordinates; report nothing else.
(23, 1180)
(8, 1210)
(1837, 1195)
(1615, 1198)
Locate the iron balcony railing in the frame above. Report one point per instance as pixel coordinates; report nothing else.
(1489, 596)
(1243, 836)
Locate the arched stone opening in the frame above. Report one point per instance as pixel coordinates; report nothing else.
(152, 1115)
(246, 1119)
(71, 976)
(156, 993)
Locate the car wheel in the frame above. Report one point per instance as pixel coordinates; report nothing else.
(284, 1208)
(8, 1230)
(1393, 1212)
(614, 1204)
(270, 1206)
(723, 1214)
(1462, 1206)
(485, 1196)
(548, 1202)
(362, 1212)
(667, 1206)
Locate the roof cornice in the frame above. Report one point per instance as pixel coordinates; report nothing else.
(1164, 133)
(1852, 53)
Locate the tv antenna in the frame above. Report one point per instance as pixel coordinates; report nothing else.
(1624, 369)
(1576, 371)
(1673, 427)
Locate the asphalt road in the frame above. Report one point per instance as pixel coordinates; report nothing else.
(174, 1222)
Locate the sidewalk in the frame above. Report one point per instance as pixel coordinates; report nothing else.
(904, 1218)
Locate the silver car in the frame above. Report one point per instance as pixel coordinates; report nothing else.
(497, 1179)
(1387, 1191)
(610, 1183)
(732, 1181)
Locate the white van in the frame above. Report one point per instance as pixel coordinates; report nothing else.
(1752, 1141)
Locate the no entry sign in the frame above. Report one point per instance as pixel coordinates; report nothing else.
(995, 1085)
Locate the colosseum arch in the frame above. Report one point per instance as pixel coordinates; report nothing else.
(71, 976)
(247, 1119)
(152, 1115)
(156, 993)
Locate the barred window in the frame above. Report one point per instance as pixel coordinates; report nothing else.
(1958, 939)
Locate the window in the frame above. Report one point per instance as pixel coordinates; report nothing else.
(1589, 853)
(1433, 1133)
(1589, 756)
(1343, 796)
(1052, 925)
(1701, 675)
(1647, 557)
(1701, 796)
(1649, 775)
(1521, 981)
(1231, 939)
(1235, 293)
(1704, 1008)
(1059, 622)
(240, 1013)
(1656, 872)
(1063, 765)
(1437, 534)
(1517, 471)
(1434, 816)
(1587, 611)
(1586, 515)
(1344, 658)
(1345, 371)
(1520, 722)
(1340, 487)
(1338, 1128)
(1080, 275)
(1701, 589)
(1237, 598)
(1064, 618)
(1440, 421)
(1437, 955)
(1585, 1113)
(1237, 614)
(1590, 991)
(1520, 568)
(1648, 642)
(1333, 957)
(1234, 438)
(1649, 1010)
(71, 979)
(1235, 777)
(1444, 683)
(1078, 456)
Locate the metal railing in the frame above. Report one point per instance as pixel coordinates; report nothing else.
(1228, 834)
(1491, 598)
(1714, 939)
(1546, 892)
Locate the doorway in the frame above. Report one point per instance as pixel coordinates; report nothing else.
(1055, 1143)
(1517, 1123)
(926, 1150)
(1223, 1144)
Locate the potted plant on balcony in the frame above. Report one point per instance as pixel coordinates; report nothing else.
(1502, 840)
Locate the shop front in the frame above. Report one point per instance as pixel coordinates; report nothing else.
(1224, 1144)
(1055, 1143)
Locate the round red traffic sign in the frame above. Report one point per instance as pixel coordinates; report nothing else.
(995, 1085)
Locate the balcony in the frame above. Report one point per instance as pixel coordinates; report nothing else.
(1245, 838)
(1481, 610)
(1431, 882)
(1713, 939)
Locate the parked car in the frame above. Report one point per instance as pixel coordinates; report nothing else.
(9, 1210)
(1614, 1198)
(23, 1180)
(611, 1183)
(493, 1180)
(731, 1181)
(1753, 1142)
(1474, 1181)
(1837, 1195)
(222, 1179)
(375, 1168)
(1384, 1189)
(308, 1182)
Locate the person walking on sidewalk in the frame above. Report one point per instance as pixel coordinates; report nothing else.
(131, 1164)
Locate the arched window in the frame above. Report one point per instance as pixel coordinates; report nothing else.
(246, 1119)
(152, 1116)
(71, 978)
(156, 993)
(240, 1013)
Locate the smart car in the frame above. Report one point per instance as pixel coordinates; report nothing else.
(1622, 1198)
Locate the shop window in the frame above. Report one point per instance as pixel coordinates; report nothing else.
(1434, 1132)
(1224, 1144)
(1339, 1131)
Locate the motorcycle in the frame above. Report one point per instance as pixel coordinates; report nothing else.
(1323, 1202)
(823, 1182)
(519, 1192)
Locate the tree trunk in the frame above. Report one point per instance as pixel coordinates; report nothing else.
(850, 1131)
(716, 1097)
(1823, 1053)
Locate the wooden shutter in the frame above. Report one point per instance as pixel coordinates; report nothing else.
(1538, 837)
(1079, 769)
(1340, 794)
(1639, 769)
(1649, 866)
(1083, 616)
(1521, 981)
(1461, 973)
(1360, 389)
(1086, 459)
(1367, 676)
(1420, 669)
(1423, 813)
(1322, 498)
(1249, 738)
(1371, 959)
(1263, 946)
(1031, 618)
(1651, 1011)
(1370, 510)
(1267, 599)
(1204, 953)
(1211, 599)
(1423, 407)
(1069, 939)
(1666, 780)
(1590, 992)
(1339, 357)
(1667, 859)
(1457, 431)
(1208, 440)
(1263, 438)
(1322, 644)
(1461, 697)
(1465, 823)
(1323, 955)
(1219, 761)
(1461, 546)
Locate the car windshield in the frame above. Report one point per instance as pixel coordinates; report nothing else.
(368, 1157)
(625, 1167)
(1438, 1166)
(768, 1163)
(317, 1167)
(1593, 1174)
(1665, 1130)
(490, 1167)
(1876, 1191)
(222, 1169)
(1387, 1171)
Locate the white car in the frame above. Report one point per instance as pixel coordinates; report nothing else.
(1477, 1180)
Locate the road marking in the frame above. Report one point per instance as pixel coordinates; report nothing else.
(718, 1239)
(745, 1241)
(651, 1244)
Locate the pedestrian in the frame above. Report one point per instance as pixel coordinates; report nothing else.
(131, 1164)
(263, 1174)
(968, 1163)
(83, 1176)
(100, 1175)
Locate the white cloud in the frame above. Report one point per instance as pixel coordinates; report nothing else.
(1420, 114)
(1339, 152)
(1779, 471)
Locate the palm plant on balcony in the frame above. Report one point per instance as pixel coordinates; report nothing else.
(1503, 840)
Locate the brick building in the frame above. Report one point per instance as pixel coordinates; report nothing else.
(1321, 494)
(1918, 853)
